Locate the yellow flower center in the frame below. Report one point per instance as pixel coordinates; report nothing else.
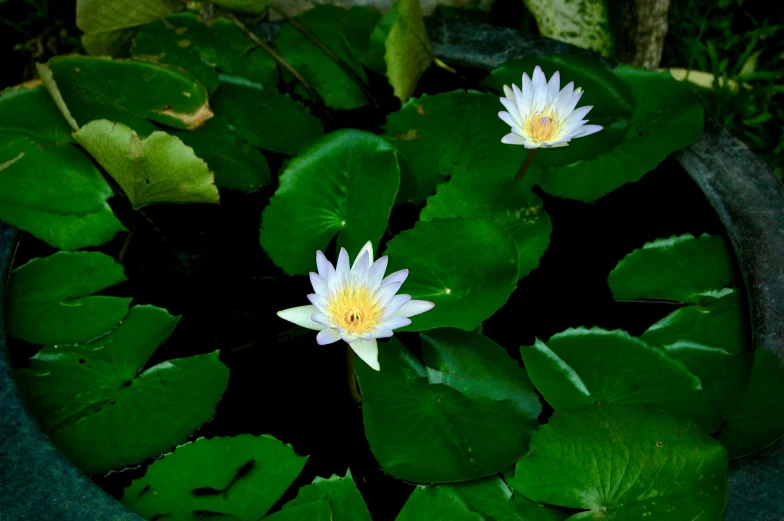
(542, 127)
(355, 309)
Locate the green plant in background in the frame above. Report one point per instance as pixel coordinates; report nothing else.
(200, 108)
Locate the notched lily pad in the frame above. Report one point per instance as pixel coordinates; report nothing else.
(333, 499)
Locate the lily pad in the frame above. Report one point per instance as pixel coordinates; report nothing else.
(683, 269)
(240, 477)
(50, 299)
(581, 367)
(336, 497)
(758, 419)
(583, 23)
(155, 169)
(624, 463)
(467, 266)
(104, 410)
(126, 91)
(456, 134)
(665, 116)
(29, 109)
(202, 49)
(346, 33)
(507, 202)
(467, 413)
(478, 500)
(110, 26)
(327, 191)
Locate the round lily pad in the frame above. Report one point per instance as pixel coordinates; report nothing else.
(467, 413)
(467, 266)
(333, 499)
(239, 478)
(625, 463)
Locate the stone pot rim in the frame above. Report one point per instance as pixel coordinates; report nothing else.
(40, 483)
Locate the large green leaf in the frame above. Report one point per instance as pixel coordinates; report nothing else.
(407, 47)
(182, 40)
(757, 420)
(467, 413)
(239, 478)
(109, 25)
(665, 116)
(583, 23)
(104, 411)
(126, 91)
(479, 500)
(344, 32)
(625, 463)
(684, 269)
(333, 499)
(583, 367)
(344, 184)
(507, 202)
(155, 169)
(455, 134)
(466, 266)
(50, 299)
(48, 187)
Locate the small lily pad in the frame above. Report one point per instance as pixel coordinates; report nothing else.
(100, 406)
(239, 477)
(467, 413)
(155, 169)
(625, 463)
(467, 266)
(326, 191)
(336, 497)
(51, 301)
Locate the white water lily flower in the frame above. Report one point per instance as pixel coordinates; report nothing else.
(542, 115)
(356, 304)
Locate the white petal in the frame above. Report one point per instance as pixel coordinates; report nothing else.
(359, 270)
(347, 337)
(368, 247)
(508, 92)
(320, 302)
(572, 103)
(522, 108)
(564, 97)
(531, 145)
(553, 87)
(577, 115)
(414, 307)
(528, 92)
(325, 268)
(540, 89)
(506, 118)
(320, 286)
(327, 336)
(395, 322)
(511, 107)
(342, 270)
(386, 292)
(383, 332)
(398, 276)
(301, 316)
(320, 318)
(395, 303)
(587, 130)
(512, 139)
(376, 273)
(367, 350)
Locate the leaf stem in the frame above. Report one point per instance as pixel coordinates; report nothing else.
(278, 58)
(526, 164)
(352, 375)
(443, 65)
(343, 65)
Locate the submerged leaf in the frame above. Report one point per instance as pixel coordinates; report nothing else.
(408, 53)
(583, 23)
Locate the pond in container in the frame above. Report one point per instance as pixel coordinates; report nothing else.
(587, 353)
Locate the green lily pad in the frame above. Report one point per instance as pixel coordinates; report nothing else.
(665, 116)
(683, 269)
(30, 110)
(239, 478)
(757, 421)
(50, 299)
(467, 266)
(478, 500)
(126, 91)
(104, 411)
(182, 40)
(624, 463)
(467, 413)
(581, 367)
(155, 169)
(455, 134)
(507, 202)
(345, 32)
(326, 190)
(336, 497)
(110, 26)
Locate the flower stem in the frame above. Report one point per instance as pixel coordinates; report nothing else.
(352, 376)
(526, 164)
